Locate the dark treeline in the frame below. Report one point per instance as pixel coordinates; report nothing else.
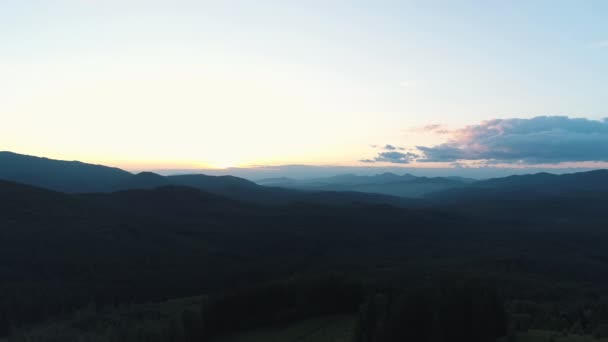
(468, 312)
(453, 312)
(271, 304)
(274, 304)
(282, 302)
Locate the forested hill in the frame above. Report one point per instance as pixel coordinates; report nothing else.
(77, 177)
(61, 252)
(59, 175)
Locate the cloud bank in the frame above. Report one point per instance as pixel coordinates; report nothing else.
(542, 139)
(393, 157)
(538, 140)
(389, 147)
(389, 154)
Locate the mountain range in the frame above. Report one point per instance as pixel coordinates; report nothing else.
(78, 177)
(385, 188)
(72, 234)
(405, 185)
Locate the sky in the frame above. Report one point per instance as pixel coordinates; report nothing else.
(218, 84)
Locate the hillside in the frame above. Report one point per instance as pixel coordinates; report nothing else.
(59, 251)
(530, 186)
(77, 177)
(59, 175)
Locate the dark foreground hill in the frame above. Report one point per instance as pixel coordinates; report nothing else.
(536, 241)
(61, 252)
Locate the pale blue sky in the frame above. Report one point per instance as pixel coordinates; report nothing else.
(232, 83)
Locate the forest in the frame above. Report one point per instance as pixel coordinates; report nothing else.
(176, 263)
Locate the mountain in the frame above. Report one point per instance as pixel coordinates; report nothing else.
(530, 186)
(545, 182)
(462, 179)
(277, 181)
(142, 180)
(77, 177)
(200, 181)
(406, 185)
(61, 252)
(31, 203)
(170, 202)
(59, 175)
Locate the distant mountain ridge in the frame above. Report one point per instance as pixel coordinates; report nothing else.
(521, 187)
(405, 185)
(385, 188)
(591, 180)
(77, 177)
(59, 175)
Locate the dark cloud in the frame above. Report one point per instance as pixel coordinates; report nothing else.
(542, 139)
(393, 157)
(388, 147)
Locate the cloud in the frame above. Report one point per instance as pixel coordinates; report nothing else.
(389, 147)
(393, 157)
(542, 139)
(436, 129)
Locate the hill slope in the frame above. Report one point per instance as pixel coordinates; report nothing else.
(59, 175)
(77, 177)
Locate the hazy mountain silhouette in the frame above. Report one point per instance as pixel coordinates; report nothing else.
(528, 186)
(345, 179)
(77, 177)
(386, 188)
(277, 181)
(546, 182)
(59, 175)
(388, 183)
